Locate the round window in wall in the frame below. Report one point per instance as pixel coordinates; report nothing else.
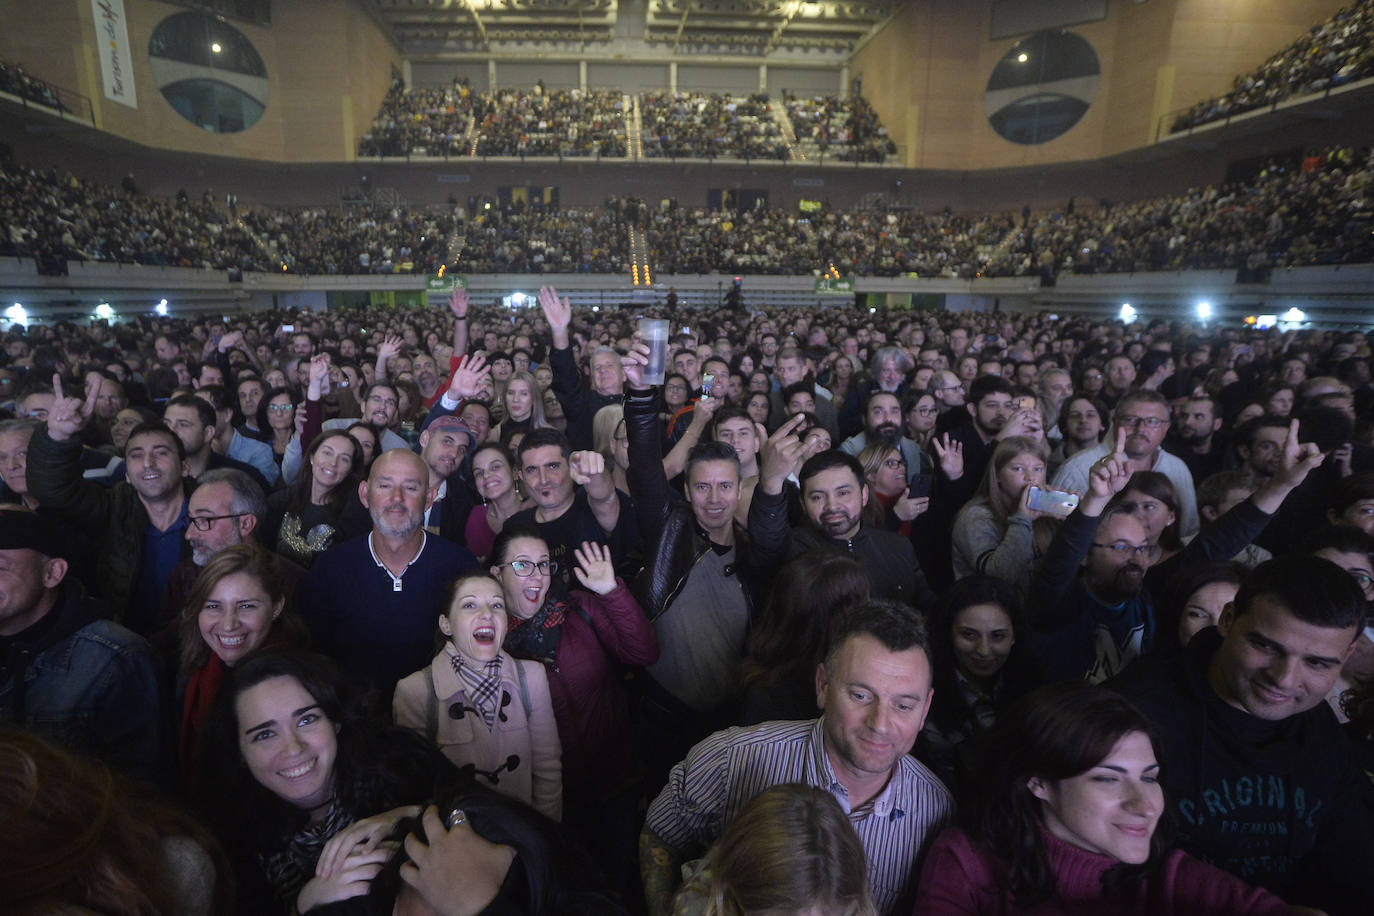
(1042, 87)
(209, 72)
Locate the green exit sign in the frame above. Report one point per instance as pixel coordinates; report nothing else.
(835, 286)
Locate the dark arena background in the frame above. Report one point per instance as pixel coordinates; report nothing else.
(1061, 155)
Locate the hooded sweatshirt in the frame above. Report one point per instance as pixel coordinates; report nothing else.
(1282, 804)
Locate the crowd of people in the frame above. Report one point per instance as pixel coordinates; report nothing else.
(462, 609)
(848, 126)
(709, 125)
(1318, 212)
(455, 121)
(1330, 54)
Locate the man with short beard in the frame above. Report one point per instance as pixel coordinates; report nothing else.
(1090, 615)
(444, 445)
(371, 602)
(1200, 442)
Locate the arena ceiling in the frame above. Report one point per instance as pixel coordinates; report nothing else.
(748, 28)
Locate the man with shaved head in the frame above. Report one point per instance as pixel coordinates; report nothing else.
(371, 602)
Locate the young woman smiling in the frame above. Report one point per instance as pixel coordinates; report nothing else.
(494, 477)
(1068, 819)
(489, 713)
(234, 608)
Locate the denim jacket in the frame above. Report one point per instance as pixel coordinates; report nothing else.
(89, 685)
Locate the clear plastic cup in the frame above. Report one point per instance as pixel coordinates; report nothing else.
(654, 332)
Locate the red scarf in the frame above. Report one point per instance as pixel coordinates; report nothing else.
(201, 690)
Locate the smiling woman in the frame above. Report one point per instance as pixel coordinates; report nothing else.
(301, 789)
(1070, 818)
(489, 713)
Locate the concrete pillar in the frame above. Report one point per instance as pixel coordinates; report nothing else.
(844, 80)
(763, 77)
(491, 73)
(672, 76)
(405, 75)
(582, 74)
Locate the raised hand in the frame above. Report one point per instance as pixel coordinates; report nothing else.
(68, 416)
(908, 507)
(1298, 459)
(389, 348)
(558, 312)
(703, 411)
(319, 372)
(1108, 476)
(634, 362)
(594, 568)
(467, 378)
(781, 455)
(951, 455)
(458, 302)
(230, 341)
(1024, 422)
(586, 467)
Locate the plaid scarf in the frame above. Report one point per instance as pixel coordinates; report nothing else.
(484, 687)
(537, 638)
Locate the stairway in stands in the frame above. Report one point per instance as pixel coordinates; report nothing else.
(634, 137)
(789, 136)
(639, 258)
(271, 255)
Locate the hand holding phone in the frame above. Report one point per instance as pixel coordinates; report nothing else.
(1052, 502)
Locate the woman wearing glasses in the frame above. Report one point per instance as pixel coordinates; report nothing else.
(277, 420)
(488, 713)
(580, 636)
(891, 507)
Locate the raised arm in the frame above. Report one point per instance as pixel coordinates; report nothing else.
(458, 305)
(54, 466)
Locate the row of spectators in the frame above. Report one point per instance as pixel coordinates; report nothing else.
(455, 121)
(1318, 213)
(15, 81)
(1330, 54)
(709, 125)
(849, 127)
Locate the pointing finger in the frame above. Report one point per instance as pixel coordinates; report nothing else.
(1121, 440)
(57, 385)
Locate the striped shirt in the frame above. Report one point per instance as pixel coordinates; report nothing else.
(725, 771)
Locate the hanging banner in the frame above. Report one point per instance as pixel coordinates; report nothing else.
(116, 58)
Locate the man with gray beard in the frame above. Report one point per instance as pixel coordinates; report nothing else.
(371, 602)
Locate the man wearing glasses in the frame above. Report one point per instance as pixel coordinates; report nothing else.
(381, 406)
(1142, 418)
(1091, 615)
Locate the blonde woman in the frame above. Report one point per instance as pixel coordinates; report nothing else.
(992, 533)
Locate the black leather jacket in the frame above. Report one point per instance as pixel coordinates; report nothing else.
(673, 542)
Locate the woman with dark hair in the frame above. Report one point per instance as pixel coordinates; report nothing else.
(790, 639)
(234, 608)
(370, 441)
(493, 474)
(582, 637)
(79, 838)
(1193, 601)
(277, 420)
(303, 521)
(489, 713)
(302, 788)
(756, 403)
(1068, 817)
(981, 662)
(790, 850)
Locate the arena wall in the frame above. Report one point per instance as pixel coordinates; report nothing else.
(328, 66)
(926, 72)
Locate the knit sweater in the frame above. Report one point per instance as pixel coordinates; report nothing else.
(962, 876)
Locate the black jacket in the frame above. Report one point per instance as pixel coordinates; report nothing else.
(673, 542)
(580, 403)
(893, 573)
(1281, 804)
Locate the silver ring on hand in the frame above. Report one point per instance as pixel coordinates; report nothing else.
(455, 817)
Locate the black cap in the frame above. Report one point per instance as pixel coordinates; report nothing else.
(21, 529)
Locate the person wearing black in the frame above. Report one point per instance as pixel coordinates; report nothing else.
(580, 403)
(1267, 786)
